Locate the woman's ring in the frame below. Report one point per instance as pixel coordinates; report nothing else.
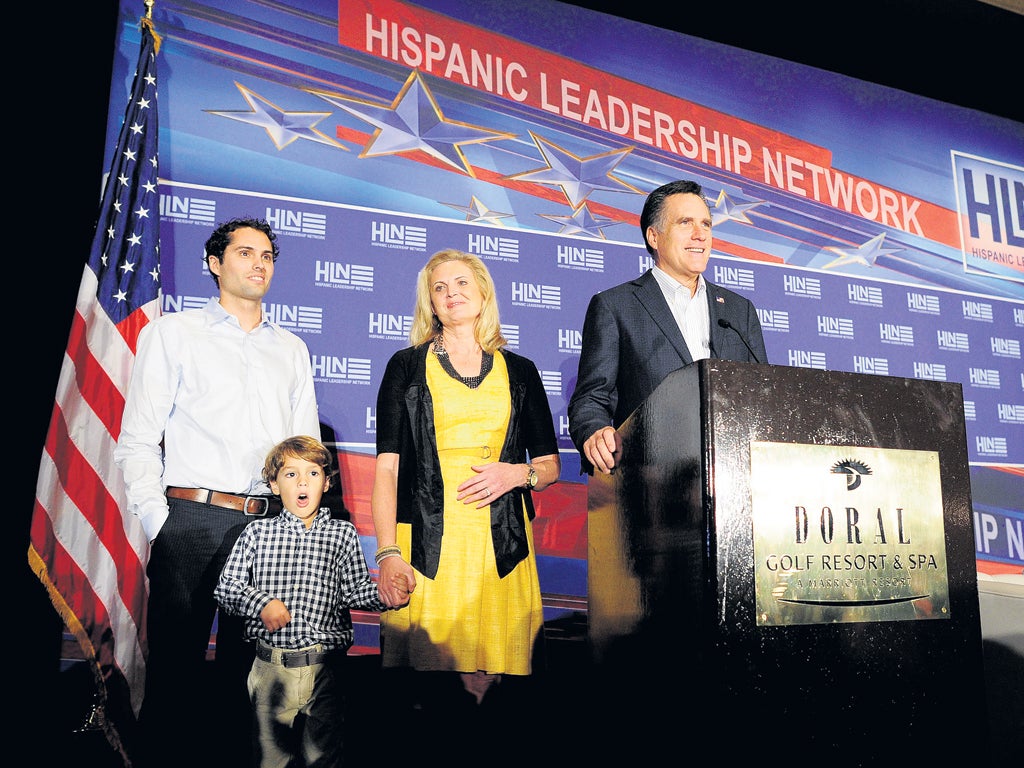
(487, 492)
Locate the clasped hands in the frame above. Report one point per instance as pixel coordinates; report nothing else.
(395, 582)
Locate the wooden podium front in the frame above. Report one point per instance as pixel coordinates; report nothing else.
(782, 566)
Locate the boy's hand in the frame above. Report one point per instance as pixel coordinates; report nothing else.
(275, 615)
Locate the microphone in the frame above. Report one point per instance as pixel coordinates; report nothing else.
(726, 324)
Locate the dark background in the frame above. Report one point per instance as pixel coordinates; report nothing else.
(963, 52)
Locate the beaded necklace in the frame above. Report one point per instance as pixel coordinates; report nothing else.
(486, 363)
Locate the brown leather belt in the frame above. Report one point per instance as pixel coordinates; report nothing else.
(253, 506)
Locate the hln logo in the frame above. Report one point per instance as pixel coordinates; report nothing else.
(920, 302)
(392, 326)
(773, 319)
(983, 377)
(297, 222)
(494, 246)
(839, 327)
(876, 365)
(1010, 413)
(371, 419)
(188, 208)
(953, 341)
(585, 258)
(895, 334)
(1005, 347)
(864, 294)
(288, 316)
(994, 200)
(335, 273)
(735, 277)
(341, 368)
(569, 340)
(178, 303)
(930, 371)
(802, 359)
(552, 381)
(533, 294)
(990, 446)
(394, 235)
(976, 310)
(794, 285)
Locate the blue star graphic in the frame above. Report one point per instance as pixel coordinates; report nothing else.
(415, 121)
(477, 211)
(582, 222)
(865, 254)
(725, 209)
(282, 127)
(577, 176)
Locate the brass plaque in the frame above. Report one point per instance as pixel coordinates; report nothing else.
(847, 534)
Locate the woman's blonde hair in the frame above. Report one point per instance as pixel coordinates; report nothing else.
(425, 324)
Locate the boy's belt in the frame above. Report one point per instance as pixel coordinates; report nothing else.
(291, 659)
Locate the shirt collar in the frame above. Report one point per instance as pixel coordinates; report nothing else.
(291, 519)
(670, 285)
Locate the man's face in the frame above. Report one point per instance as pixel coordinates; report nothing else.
(683, 246)
(248, 264)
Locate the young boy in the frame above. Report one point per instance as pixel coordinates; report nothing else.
(293, 579)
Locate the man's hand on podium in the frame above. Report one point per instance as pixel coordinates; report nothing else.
(602, 449)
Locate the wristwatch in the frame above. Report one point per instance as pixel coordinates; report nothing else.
(531, 477)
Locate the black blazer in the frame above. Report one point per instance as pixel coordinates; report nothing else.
(405, 426)
(631, 343)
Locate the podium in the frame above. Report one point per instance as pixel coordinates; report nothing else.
(782, 566)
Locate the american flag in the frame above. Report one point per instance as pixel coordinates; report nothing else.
(88, 552)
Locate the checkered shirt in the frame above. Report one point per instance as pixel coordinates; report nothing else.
(319, 573)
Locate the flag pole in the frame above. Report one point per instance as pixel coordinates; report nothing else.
(86, 550)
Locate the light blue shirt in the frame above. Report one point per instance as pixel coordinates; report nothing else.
(219, 398)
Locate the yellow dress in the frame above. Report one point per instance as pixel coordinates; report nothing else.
(467, 619)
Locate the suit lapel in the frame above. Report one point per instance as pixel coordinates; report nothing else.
(716, 309)
(649, 294)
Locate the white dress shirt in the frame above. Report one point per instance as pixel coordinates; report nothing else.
(218, 398)
(690, 312)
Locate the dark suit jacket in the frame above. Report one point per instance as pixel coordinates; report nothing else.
(631, 343)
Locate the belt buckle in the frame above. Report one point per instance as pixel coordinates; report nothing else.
(292, 659)
(261, 513)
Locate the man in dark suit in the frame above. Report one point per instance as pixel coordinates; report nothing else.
(637, 333)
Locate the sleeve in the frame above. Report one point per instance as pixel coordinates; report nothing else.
(138, 454)
(755, 335)
(305, 414)
(593, 401)
(538, 429)
(359, 590)
(235, 591)
(389, 404)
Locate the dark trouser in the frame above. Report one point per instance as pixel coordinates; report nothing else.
(195, 713)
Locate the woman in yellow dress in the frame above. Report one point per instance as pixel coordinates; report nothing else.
(464, 438)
